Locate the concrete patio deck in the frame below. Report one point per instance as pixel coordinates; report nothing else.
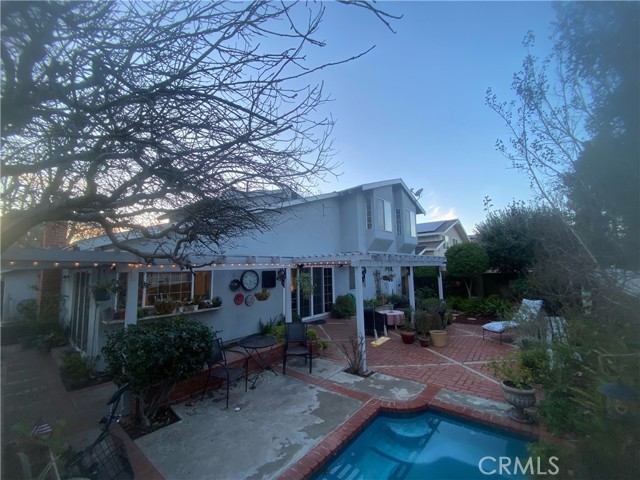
(289, 425)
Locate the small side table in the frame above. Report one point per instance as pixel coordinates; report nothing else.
(253, 346)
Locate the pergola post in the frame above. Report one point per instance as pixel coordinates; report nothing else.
(412, 292)
(131, 303)
(288, 317)
(440, 290)
(360, 318)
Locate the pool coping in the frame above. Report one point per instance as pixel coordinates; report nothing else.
(333, 443)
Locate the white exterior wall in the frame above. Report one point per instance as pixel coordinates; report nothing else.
(17, 287)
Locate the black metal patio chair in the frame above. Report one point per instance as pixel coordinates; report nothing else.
(297, 344)
(217, 364)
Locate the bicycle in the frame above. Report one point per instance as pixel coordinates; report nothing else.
(106, 458)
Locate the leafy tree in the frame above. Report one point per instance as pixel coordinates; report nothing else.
(152, 358)
(115, 114)
(573, 129)
(467, 260)
(573, 125)
(517, 235)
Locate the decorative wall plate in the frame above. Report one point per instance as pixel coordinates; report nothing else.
(249, 300)
(238, 299)
(234, 285)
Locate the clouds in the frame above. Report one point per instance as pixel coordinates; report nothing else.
(436, 209)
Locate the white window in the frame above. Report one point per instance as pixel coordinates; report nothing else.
(369, 213)
(410, 223)
(176, 285)
(383, 215)
(398, 222)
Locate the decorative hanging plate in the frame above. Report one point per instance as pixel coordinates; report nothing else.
(234, 285)
(238, 299)
(249, 300)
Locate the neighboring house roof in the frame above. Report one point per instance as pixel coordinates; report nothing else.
(441, 227)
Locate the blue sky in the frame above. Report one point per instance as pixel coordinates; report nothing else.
(414, 108)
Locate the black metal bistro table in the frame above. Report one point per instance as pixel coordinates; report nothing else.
(253, 346)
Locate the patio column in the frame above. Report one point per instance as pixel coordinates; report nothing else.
(360, 317)
(440, 291)
(131, 303)
(288, 317)
(412, 292)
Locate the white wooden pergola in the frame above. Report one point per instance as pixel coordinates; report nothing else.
(53, 258)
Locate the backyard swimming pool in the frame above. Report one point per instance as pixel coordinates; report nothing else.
(426, 446)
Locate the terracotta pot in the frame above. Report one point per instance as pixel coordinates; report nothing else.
(424, 341)
(438, 338)
(408, 337)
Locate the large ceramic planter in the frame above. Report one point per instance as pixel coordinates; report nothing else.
(438, 338)
(520, 398)
(408, 337)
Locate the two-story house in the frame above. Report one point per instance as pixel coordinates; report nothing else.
(359, 241)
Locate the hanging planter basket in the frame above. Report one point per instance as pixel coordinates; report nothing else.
(101, 295)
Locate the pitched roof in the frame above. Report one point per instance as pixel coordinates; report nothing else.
(438, 226)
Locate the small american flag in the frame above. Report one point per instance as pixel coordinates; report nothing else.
(42, 430)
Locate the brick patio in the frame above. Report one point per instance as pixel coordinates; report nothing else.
(459, 367)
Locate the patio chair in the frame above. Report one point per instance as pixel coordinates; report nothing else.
(528, 312)
(217, 364)
(296, 343)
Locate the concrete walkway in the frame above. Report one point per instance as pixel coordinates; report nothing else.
(289, 424)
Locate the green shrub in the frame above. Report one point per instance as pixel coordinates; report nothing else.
(74, 365)
(343, 308)
(268, 327)
(152, 358)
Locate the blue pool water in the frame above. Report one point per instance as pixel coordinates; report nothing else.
(425, 446)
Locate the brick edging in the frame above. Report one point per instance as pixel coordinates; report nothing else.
(331, 445)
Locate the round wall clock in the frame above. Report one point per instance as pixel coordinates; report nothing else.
(249, 279)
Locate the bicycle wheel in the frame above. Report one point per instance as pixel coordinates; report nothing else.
(106, 460)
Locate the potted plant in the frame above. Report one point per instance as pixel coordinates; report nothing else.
(102, 290)
(305, 284)
(516, 385)
(407, 333)
(317, 344)
(437, 309)
(263, 295)
(165, 306)
(423, 321)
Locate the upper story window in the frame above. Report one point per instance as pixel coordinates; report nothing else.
(398, 222)
(369, 213)
(383, 215)
(410, 223)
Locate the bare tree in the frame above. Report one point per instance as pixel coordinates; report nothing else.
(573, 126)
(117, 113)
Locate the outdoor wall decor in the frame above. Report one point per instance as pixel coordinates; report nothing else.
(268, 279)
(238, 299)
(234, 285)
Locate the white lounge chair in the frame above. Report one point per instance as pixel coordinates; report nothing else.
(529, 311)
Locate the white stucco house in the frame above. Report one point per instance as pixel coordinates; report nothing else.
(434, 238)
(348, 241)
